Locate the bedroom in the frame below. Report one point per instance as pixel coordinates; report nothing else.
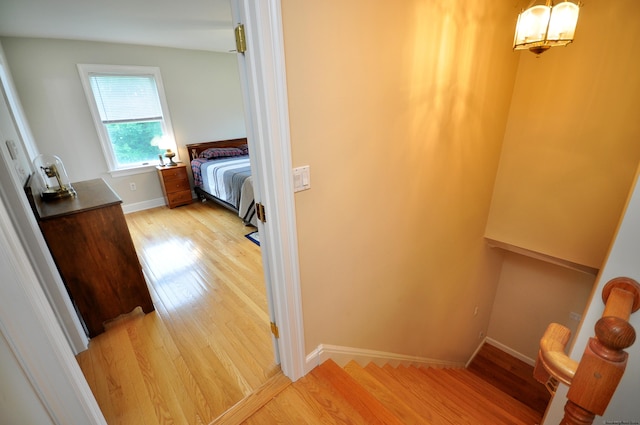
(202, 89)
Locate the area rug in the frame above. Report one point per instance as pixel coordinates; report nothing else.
(254, 237)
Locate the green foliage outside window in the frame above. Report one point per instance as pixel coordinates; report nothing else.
(132, 141)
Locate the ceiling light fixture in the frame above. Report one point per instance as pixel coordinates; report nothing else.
(541, 27)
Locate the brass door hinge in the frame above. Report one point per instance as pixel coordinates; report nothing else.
(274, 330)
(241, 40)
(262, 216)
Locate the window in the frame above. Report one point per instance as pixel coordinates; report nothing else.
(130, 113)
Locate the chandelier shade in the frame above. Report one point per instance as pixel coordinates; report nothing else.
(541, 27)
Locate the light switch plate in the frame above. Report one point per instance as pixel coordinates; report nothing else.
(301, 178)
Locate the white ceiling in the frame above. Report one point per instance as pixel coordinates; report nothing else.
(188, 24)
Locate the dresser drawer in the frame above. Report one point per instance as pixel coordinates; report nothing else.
(179, 198)
(174, 173)
(176, 185)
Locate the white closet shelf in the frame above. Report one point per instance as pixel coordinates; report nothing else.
(543, 257)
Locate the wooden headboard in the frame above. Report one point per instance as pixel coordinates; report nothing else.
(194, 149)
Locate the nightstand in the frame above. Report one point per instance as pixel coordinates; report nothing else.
(175, 185)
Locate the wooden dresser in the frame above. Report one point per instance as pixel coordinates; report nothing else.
(91, 245)
(175, 185)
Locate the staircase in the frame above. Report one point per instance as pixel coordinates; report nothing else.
(393, 395)
(496, 388)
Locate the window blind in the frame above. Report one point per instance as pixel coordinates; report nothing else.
(126, 98)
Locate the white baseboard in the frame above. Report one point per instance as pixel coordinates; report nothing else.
(476, 352)
(144, 205)
(504, 348)
(343, 355)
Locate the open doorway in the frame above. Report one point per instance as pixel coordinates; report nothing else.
(269, 107)
(219, 359)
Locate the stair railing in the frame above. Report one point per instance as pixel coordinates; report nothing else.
(593, 381)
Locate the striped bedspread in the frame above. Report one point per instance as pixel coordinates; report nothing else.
(228, 179)
(223, 178)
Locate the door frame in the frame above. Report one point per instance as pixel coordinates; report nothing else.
(20, 210)
(34, 336)
(27, 320)
(263, 81)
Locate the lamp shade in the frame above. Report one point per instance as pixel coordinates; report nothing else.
(532, 26)
(543, 26)
(562, 25)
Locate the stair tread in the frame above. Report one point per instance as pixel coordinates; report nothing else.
(477, 381)
(493, 391)
(355, 394)
(468, 406)
(510, 375)
(433, 407)
(481, 397)
(326, 405)
(390, 399)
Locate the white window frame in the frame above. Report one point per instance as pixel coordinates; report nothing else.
(107, 148)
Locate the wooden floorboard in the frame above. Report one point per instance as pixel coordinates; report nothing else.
(387, 395)
(428, 406)
(392, 401)
(368, 406)
(254, 402)
(510, 375)
(208, 343)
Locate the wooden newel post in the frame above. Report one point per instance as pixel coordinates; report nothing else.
(576, 415)
(604, 361)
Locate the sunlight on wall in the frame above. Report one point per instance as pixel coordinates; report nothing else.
(571, 145)
(445, 57)
(399, 109)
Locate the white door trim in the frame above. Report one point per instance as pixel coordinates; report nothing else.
(263, 79)
(30, 327)
(15, 127)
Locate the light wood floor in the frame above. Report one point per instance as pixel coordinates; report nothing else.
(373, 395)
(207, 345)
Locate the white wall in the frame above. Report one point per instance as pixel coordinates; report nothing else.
(202, 89)
(19, 402)
(35, 360)
(622, 261)
(13, 175)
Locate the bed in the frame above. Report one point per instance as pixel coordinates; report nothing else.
(222, 174)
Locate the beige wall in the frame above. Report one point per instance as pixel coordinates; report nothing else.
(531, 294)
(572, 142)
(622, 260)
(202, 90)
(569, 157)
(399, 108)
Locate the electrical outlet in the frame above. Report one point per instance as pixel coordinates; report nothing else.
(132, 186)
